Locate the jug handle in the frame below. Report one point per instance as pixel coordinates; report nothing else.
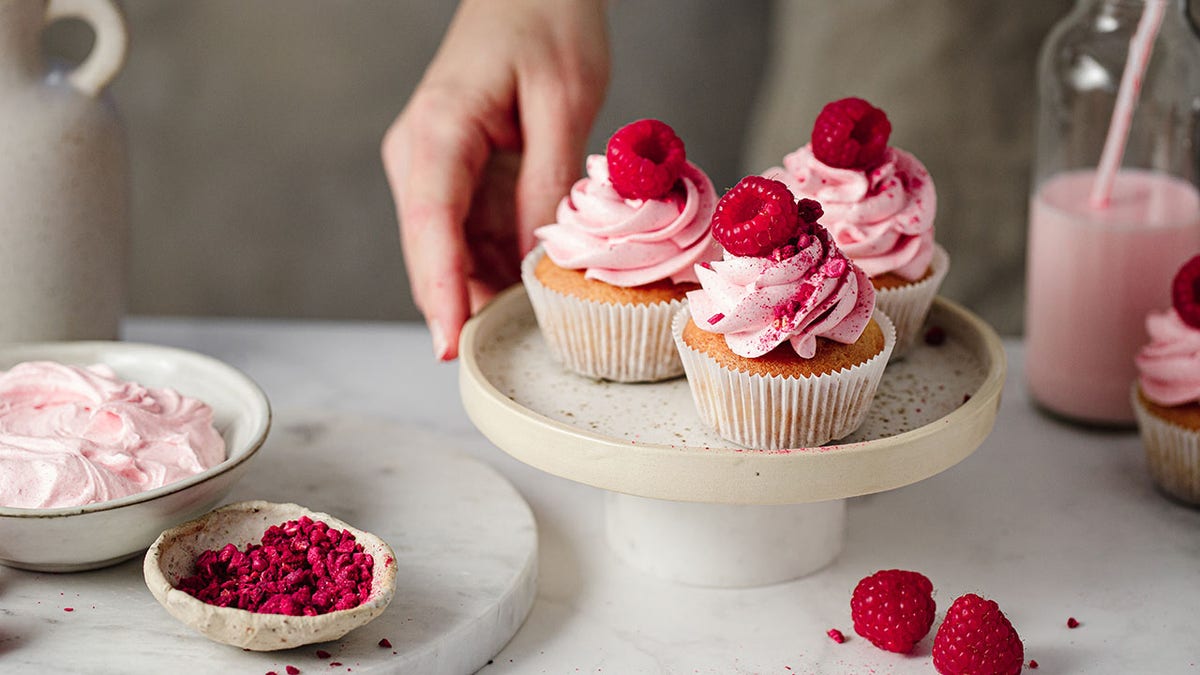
(108, 51)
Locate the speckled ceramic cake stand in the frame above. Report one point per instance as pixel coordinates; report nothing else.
(685, 504)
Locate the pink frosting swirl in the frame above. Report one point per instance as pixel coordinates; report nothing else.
(882, 219)
(71, 436)
(631, 242)
(759, 303)
(1169, 367)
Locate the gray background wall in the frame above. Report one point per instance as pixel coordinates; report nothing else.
(254, 128)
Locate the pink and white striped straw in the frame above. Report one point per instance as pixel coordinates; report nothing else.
(1127, 94)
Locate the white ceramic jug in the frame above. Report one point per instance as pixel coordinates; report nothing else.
(64, 186)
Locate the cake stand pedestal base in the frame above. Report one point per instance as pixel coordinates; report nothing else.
(724, 545)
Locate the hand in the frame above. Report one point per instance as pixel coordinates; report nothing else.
(490, 140)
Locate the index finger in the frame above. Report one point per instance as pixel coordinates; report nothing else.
(433, 163)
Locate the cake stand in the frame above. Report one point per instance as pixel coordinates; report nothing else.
(686, 505)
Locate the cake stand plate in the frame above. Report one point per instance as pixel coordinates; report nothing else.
(646, 443)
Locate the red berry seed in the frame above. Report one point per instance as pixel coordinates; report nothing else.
(322, 654)
(1033, 664)
(850, 134)
(755, 217)
(976, 637)
(68, 609)
(645, 159)
(302, 567)
(836, 635)
(1185, 292)
(893, 609)
(293, 670)
(385, 643)
(1072, 623)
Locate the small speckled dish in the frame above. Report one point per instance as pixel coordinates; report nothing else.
(173, 557)
(74, 538)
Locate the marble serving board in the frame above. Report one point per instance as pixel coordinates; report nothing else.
(466, 555)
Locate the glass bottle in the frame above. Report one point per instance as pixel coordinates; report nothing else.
(1094, 271)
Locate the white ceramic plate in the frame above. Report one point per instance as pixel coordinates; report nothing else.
(96, 535)
(932, 410)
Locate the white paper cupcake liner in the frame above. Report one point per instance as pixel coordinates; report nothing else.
(623, 343)
(1172, 453)
(907, 306)
(769, 412)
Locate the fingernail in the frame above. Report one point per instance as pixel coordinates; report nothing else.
(439, 341)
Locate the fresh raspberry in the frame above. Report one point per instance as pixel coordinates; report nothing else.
(1185, 292)
(850, 134)
(755, 217)
(644, 159)
(976, 637)
(893, 609)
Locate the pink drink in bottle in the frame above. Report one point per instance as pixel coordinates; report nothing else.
(1093, 275)
(1105, 238)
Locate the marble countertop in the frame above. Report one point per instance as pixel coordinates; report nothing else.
(1050, 520)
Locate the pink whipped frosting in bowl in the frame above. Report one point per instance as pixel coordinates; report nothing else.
(632, 242)
(809, 291)
(92, 535)
(881, 218)
(1169, 366)
(74, 435)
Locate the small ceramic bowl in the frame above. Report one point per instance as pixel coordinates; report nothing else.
(88, 537)
(173, 556)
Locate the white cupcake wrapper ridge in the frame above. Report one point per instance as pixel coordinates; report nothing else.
(623, 343)
(1172, 453)
(907, 306)
(770, 412)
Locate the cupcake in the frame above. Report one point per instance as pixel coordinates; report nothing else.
(615, 267)
(1166, 398)
(879, 203)
(780, 344)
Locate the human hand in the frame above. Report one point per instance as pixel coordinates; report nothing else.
(490, 140)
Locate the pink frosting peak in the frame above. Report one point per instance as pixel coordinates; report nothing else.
(881, 218)
(71, 436)
(805, 292)
(632, 242)
(1169, 367)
